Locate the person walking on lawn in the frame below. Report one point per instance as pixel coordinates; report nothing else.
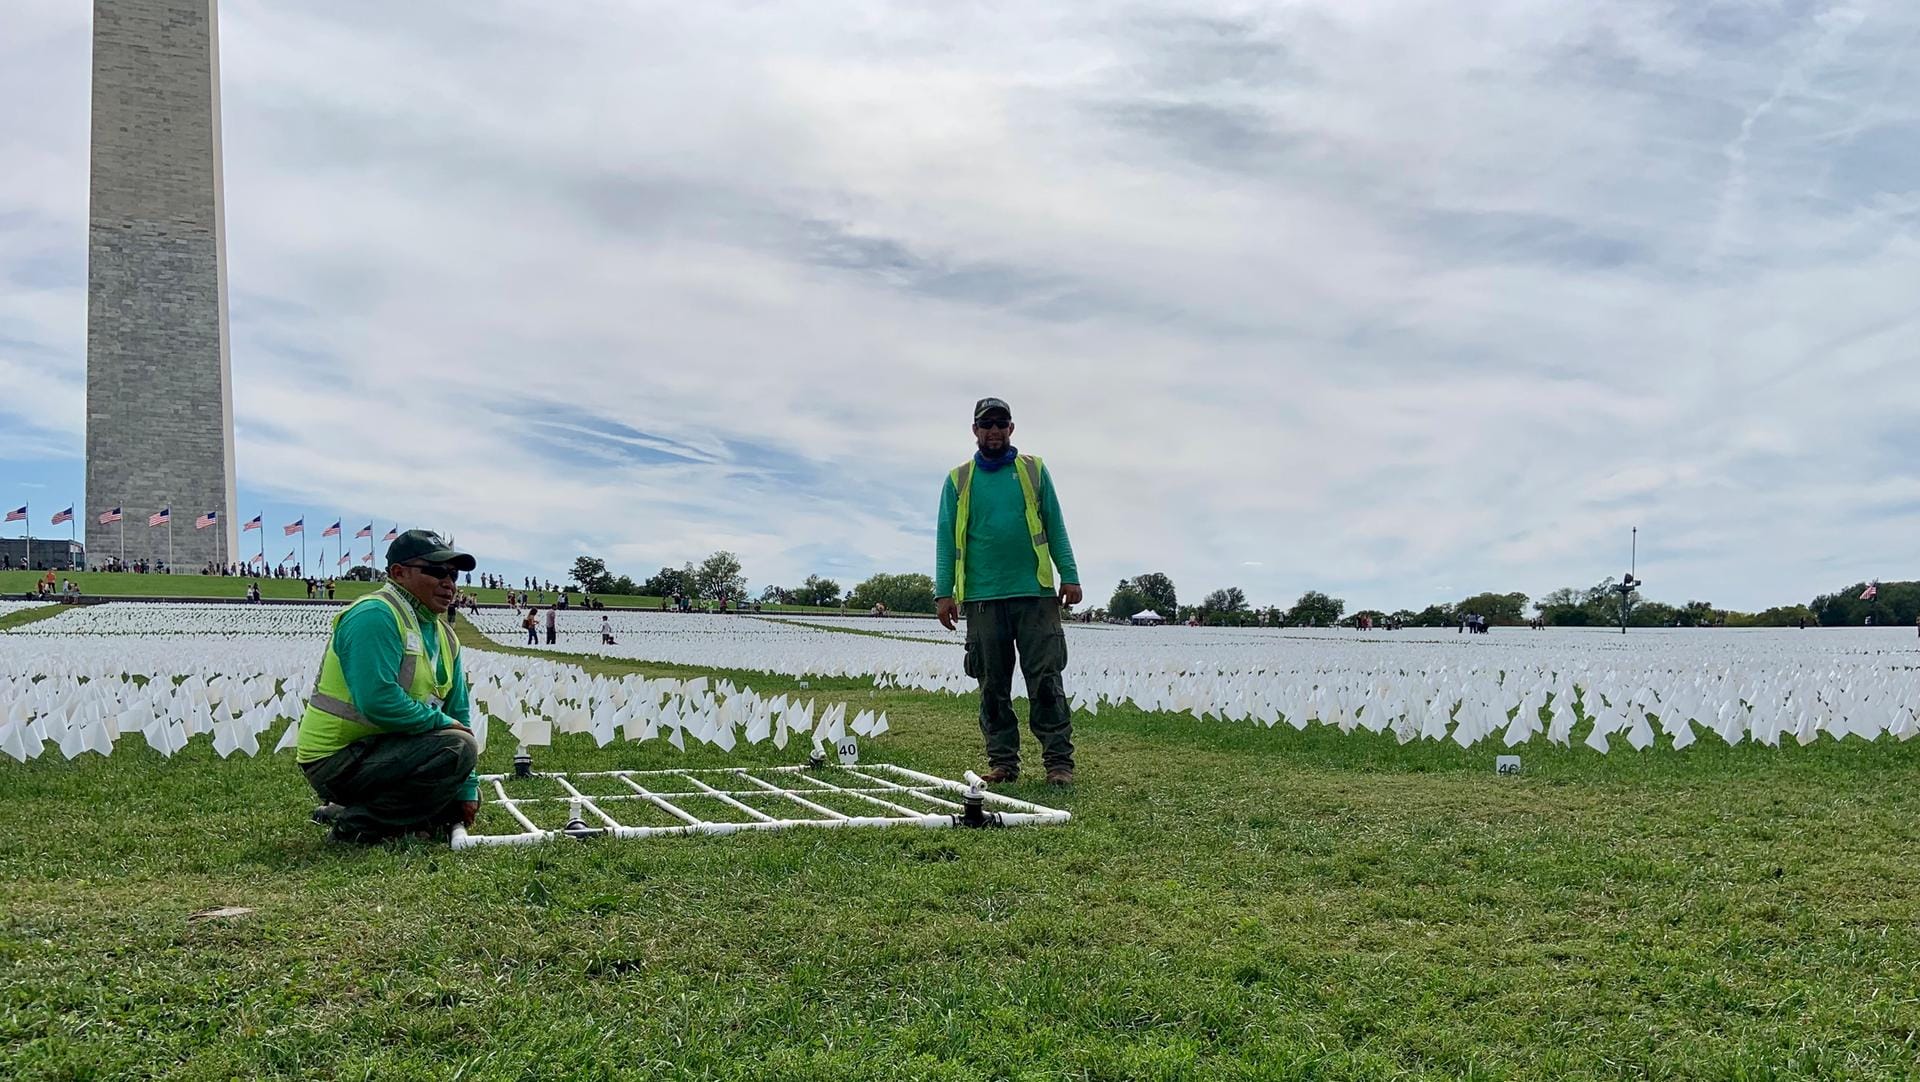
(385, 737)
(999, 539)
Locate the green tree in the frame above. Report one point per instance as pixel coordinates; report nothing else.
(719, 576)
(1157, 588)
(1697, 614)
(1127, 599)
(1315, 609)
(1897, 603)
(1153, 590)
(591, 574)
(816, 591)
(1777, 616)
(1230, 600)
(1651, 614)
(671, 581)
(1595, 606)
(1497, 608)
(910, 592)
(1435, 616)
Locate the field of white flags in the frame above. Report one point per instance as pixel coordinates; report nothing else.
(167, 673)
(1602, 689)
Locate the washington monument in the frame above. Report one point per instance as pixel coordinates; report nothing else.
(159, 393)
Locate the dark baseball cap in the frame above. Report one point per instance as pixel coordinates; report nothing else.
(426, 546)
(988, 405)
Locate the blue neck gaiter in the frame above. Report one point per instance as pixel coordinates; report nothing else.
(990, 465)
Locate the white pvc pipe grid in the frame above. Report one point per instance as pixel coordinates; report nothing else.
(1004, 810)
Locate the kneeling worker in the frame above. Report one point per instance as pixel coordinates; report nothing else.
(385, 737)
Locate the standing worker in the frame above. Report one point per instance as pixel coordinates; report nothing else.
(999, 539)
(385, 737)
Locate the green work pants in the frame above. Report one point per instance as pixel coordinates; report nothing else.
(396, 783)
(1029, 626)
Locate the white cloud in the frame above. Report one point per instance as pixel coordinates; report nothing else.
(1338, 295)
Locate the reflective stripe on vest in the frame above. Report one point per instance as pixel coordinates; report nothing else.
(1027, 469)
(435, 687)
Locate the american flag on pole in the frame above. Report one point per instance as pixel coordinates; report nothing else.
(298, 525)
(367, 559)
(258, 558)
(206, 520)
(162, 517)
(344, 557)
(64, 516)
(1872, 591)
(331, 531)
(108, 518)
(288, 558)
(17, 514)
(252, 524)
(392, 534)
(365, 531)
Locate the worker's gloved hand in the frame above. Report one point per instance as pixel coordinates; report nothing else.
(468, 810)
(948, 612)
(1070, 593)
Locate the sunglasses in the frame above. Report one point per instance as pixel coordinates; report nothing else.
(994, 422)
(438, 571)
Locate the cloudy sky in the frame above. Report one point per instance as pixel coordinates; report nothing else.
(1402, 301)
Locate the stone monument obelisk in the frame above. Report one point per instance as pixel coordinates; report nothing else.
(159, 393)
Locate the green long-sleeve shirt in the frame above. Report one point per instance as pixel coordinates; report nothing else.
(368, 644)
(999, 549)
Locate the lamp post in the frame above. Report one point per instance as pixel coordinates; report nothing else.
(1628, 585)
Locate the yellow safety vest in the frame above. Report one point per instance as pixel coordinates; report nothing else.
(1027, 468)
(331, 722)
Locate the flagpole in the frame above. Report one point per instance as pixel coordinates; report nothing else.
(263, 541)
(29, 510)
(123, 538)
(169, 540)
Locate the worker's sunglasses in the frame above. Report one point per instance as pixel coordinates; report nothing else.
(994, 422)
(438, 571)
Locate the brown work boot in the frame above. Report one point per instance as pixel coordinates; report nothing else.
(1059, 776)
(1001, 775)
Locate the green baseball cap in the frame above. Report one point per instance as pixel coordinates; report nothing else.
(988, 405)
(426, 547)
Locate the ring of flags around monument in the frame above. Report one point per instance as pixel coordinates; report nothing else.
(164, 517)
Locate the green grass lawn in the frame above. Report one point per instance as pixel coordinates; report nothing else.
(110, 584)
(1228, 902)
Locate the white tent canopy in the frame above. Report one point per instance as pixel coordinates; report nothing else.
(1146, 616)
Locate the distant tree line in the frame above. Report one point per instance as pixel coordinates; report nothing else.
(1573, 606)
(720, 575)
(717, 576)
